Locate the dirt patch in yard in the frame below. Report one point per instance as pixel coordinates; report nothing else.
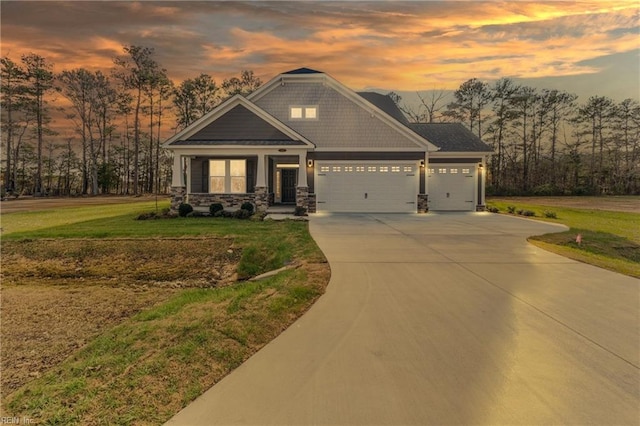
(42, 325)
(59, 294)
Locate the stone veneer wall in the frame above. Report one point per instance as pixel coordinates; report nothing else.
(177, 196)
(261, 198)
(312, 203)
(423, 206)
(302, 197)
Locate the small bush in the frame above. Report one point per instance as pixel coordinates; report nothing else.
(511, 209)
(300, 211)
(493, 209)
(527, 213)
(184, 209)
(549, 214)
(247, 206)
(215, 208)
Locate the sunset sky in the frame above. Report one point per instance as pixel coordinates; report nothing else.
(585, 47)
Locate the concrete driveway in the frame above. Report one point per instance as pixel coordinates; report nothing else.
(444, 319)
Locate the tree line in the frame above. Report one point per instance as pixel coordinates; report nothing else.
(545, 142)
(118, 120)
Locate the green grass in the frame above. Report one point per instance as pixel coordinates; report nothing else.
(610, 239)
(147, 368)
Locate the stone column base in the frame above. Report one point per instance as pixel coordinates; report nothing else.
(261, 198)
(423, 206)
(178, 196)
(302, 197)
(481, 208)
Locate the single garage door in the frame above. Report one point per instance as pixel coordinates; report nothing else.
(452, 187)
(372, 187)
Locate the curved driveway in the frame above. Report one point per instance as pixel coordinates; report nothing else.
(444, 319)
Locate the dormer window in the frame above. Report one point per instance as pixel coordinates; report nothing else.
(303, 112)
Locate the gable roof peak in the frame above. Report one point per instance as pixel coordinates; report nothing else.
(303, 71)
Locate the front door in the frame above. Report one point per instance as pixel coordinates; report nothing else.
(289, 177)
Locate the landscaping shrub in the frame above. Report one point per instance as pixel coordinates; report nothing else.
(300, 211)
(215, 208)
(511, 209)
(184, 209)
(549, 214)
(528, 213)
(493, 209)
(247, 206)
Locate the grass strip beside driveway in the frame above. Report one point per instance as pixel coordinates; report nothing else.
(608, 239)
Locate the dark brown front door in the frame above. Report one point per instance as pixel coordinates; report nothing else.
(289, 185)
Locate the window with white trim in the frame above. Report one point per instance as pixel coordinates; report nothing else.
(454, 171)
(432, 171)
(303, 112)
(465, 171)
(408, 169)
(227, 176)
(442, 171)
(324, 168)
(359, 168)
(336, 168)
(348, 168)
(371, 168)
(395, 169)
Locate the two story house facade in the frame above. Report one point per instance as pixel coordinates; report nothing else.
(307, 140)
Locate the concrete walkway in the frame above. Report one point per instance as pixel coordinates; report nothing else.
(444, 319)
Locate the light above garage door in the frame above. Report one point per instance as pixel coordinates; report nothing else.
(369, 187)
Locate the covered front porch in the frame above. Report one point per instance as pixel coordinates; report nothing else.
(266, 178)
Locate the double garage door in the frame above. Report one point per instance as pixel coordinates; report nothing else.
(370, 187)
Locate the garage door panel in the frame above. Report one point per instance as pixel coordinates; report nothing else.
(452, 187)
(366, 186)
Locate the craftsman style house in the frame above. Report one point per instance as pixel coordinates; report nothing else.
(303, 138)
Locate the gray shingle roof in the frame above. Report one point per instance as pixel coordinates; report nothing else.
(239, 142)
(385, 103)
(450, 137)
(303, 71)
(239, 124)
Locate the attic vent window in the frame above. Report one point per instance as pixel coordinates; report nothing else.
(303, 112)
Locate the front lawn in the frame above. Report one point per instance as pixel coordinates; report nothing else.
(193, 321)
(608, 239)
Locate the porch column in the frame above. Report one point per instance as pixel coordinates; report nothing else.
(302, 170)
(261, 178)
(178, 190)
(177, 178)
(261, 195)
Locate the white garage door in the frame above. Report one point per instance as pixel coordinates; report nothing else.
(452, 187)
(372, 187)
